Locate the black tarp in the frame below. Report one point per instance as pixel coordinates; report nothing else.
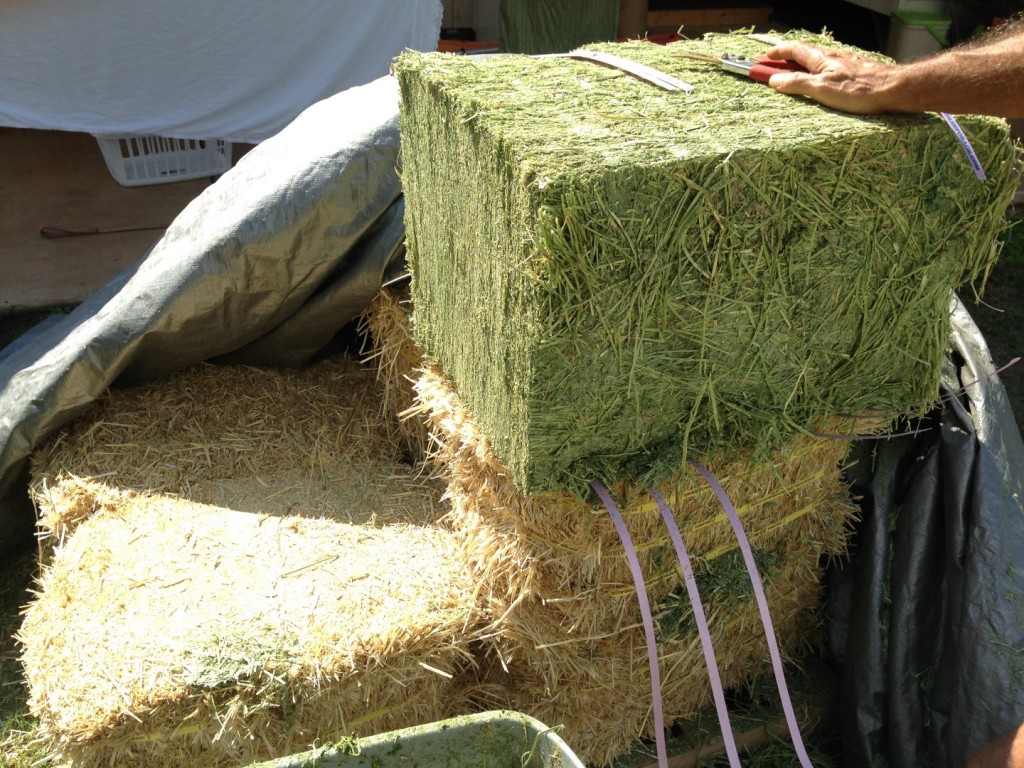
(928, 614)
(269, 263)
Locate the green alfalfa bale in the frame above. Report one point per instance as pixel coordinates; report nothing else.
(616, 277)
(551, 26)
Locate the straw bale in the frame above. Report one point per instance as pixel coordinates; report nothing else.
(564, 641)
(604, 701)
(257, 439)
(173, 633)
(564, 618)
(318, 595)
(617, 277)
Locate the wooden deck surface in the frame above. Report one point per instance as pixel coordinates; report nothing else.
(59, 179)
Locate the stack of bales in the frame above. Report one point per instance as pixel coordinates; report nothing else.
(240, 566)
(564, 642)
(609, 279)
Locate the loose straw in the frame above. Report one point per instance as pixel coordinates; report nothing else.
(702, 629)
(648, 621)
(762, 606)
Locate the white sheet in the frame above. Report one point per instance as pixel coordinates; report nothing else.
(238, 70)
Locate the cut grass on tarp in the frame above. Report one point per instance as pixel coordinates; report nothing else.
(615, 277)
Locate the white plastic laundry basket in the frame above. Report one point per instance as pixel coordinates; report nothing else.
(138, 160)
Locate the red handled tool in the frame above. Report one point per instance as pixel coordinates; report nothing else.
(759, 68)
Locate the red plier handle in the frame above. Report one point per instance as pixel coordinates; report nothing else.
(759, 68)
(764, 68)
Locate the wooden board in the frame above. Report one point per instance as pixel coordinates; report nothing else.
(59, 179)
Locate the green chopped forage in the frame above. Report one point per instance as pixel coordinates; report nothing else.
(617, 277)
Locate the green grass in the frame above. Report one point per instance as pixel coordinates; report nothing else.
(17, 727)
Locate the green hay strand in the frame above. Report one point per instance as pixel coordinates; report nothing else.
(617, 277)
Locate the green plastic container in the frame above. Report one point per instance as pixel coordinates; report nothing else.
(914, 34)
(499, 739)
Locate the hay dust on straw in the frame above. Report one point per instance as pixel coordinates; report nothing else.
(240, 565)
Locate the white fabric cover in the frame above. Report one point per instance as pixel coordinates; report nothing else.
(238, 71)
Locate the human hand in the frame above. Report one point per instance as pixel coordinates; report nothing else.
(843, 80)
(1007, 751)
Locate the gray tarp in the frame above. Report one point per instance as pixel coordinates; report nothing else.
(269, 263)
(264, 267)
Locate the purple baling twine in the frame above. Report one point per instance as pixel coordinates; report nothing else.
(965, 144)
(702, 629)
(648, 621)
(762, 606)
